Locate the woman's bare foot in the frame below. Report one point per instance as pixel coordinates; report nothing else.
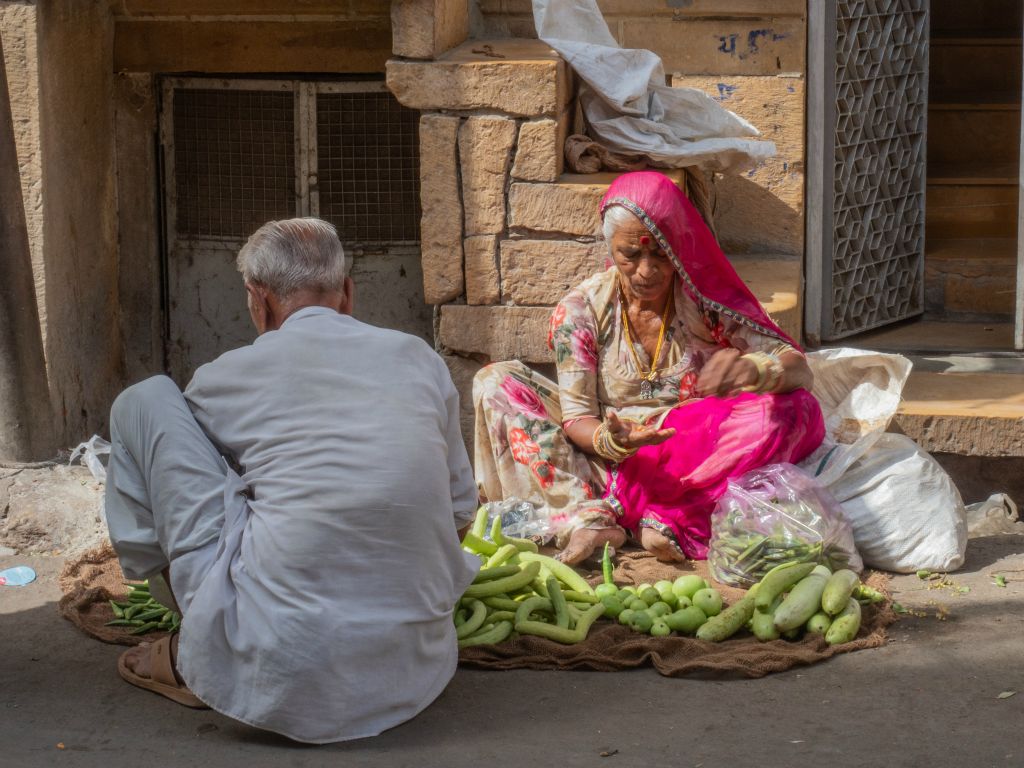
(584, 541)
(660, 546)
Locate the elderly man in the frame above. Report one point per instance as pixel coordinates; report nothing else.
(317, 582)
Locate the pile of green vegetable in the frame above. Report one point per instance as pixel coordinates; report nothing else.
(520, 590)
(143, 613)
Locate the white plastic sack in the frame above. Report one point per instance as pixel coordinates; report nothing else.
(905, 510)
(628, 106)
(91, 453)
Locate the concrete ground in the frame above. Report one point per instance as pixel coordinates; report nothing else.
(931, 697)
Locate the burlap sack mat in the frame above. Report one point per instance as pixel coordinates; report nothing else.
(95, 578)
(88, 584)
(610, 646)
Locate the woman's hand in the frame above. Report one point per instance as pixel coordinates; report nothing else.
(725, 374)
(632, 434)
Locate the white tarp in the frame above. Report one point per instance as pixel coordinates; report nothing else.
(630, 108)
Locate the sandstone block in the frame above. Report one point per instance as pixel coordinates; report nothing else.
(519, 77)
(441, 225)
(481, 269)
(540, 152)
(485, 143)
(543, 271)
(424, 29)
(497, 333)
(569, 206)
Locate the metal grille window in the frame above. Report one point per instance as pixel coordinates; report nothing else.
(234, 160)
(368, 166)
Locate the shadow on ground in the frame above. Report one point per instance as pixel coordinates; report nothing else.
(929, 698)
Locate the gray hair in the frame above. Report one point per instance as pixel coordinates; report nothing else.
(614, 217)
(294, 254)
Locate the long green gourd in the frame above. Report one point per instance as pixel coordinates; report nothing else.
(508, 584)
(559, 570)
(560, 634)
(475, 620)
(494, 634)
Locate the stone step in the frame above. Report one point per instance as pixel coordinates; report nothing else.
(971, 278)
(970, 413)
(520, 332)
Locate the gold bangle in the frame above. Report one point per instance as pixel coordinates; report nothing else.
(607, 448)
(769, 372)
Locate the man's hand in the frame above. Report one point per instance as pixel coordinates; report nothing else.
(726, 374)
(631, 434)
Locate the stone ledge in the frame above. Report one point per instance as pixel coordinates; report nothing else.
(971, 414)
(497, 333)
(518, 77)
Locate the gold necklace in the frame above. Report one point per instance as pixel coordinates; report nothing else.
(647, 378)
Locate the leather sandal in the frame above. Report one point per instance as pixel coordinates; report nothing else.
(163, 679)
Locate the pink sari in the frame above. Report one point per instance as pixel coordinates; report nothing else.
(673, 487)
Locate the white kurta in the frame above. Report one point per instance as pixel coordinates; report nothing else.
(326, 613)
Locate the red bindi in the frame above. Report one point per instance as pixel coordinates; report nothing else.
(645, 240)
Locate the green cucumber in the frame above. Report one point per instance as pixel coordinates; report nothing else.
(803, 601)
(846, 625)
(838, 591)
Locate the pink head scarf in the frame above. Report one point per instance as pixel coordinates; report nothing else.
(706, 273)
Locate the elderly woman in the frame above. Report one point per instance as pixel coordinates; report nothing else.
(672, 379)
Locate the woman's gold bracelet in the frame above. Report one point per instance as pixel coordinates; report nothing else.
(769, 372)
(608, 448)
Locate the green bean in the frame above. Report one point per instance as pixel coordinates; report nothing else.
(143, 629)
(118, 623)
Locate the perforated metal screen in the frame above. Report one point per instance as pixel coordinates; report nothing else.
(881, 106)
(368, 166)
(234, 160)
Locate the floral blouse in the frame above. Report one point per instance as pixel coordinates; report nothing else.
(596, 371)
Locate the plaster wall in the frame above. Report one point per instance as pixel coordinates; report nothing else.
(83, 340)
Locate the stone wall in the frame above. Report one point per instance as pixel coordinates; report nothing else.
(505, 232)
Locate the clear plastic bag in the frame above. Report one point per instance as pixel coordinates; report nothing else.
(519, 519)
(93, 454)
(774, 515)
